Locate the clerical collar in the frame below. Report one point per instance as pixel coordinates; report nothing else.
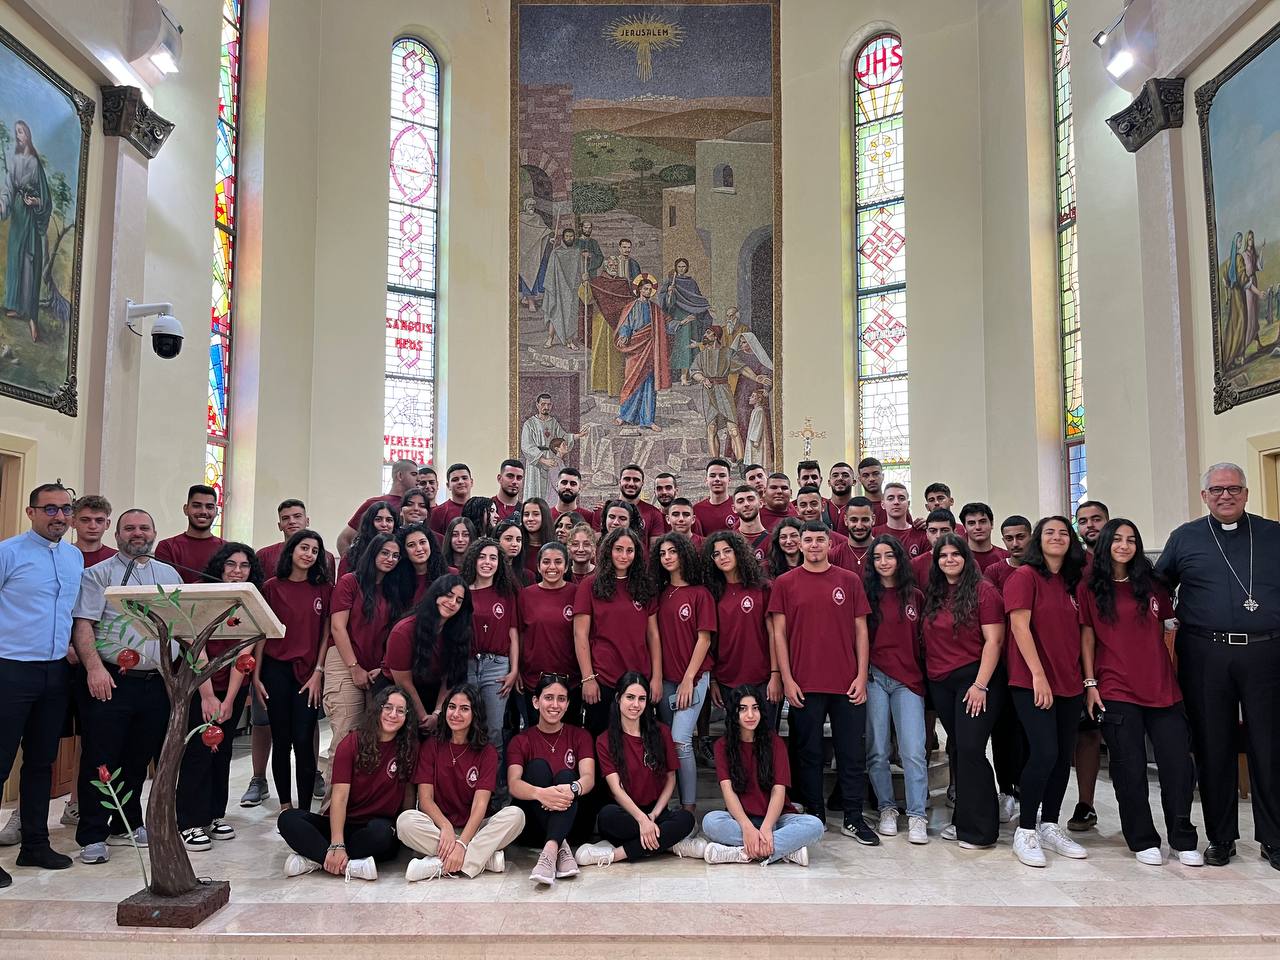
(1229, 526)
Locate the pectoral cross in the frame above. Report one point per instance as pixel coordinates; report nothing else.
(808, 434)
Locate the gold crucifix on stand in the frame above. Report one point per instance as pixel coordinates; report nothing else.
(808, 435)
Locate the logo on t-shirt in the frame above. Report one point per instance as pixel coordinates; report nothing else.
(392, 767)
(499, 611)
(911, 612)
(473, 776)
(915, 550)
(1155, 607)
(1074, 602)
(568, 612)
(318, 606)
(838, 596)
(570, 758)
(685, 612)
(731, 520)
(637, 604)
(759, 554)
(747, 604)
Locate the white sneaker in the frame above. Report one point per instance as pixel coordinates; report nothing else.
(917, 830)
(544, 871)
(720, 853)
(1151, 856)
(362, 869)
(1053, 838)
(70, 814)
(497, 863)
(1026, 847)
(966, 845)
(692, 846)
(888, 822)
(1191, 858)
(949, 832)
(1008, 807)
(193, 838)
(295, 865)
(594, 854)
(11, 832)
(424, 868)
(221, 830)
(800, 856)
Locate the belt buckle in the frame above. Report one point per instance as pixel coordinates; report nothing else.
(1237, 639)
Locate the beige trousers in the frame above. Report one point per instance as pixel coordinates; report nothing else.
(344, 705)
(416, 830)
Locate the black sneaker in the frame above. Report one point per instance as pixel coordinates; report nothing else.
(5, 879)
(861, 831)
(1084, 818)
(317, 792)
(46, 858)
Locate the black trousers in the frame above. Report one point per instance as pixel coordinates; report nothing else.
(848, 737)
(620, 828)
(205, 774)
(595, 716)
(33, 703)
(1008, 748)
(1051, 741)
(293, 728)
(977, 811)
(1218, 681)
(543, 825)
(771, 712)
(125, 732)
(308, 833)
(1125, 727)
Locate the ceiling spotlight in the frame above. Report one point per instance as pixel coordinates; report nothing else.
(1100, 38)
(1120, 63)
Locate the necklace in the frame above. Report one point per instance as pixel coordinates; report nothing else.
(1249, 604)
(454, 756)
(858, 558)
(554, 746)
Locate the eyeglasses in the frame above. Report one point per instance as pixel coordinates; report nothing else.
(395, 711)
(1232, 491)
(53, 509)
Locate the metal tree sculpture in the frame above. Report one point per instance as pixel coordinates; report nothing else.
(171, 873)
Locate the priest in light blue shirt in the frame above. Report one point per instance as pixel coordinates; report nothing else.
(39, 582)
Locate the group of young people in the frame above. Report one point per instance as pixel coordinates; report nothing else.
(500, 669)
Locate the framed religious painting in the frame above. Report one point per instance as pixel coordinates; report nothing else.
(1240, 146)
(44, 156)
(646, 249)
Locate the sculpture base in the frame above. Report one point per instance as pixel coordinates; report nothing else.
(145, 909)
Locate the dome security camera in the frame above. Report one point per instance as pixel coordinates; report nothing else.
(166, 332)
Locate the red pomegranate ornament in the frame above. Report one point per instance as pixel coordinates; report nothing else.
(245, 663)
(212, 737)
(233, 621)
(128, 659)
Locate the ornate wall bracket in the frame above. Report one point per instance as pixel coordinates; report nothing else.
(1158, 107)
(126, 114)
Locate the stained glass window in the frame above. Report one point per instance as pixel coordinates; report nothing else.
(409, 411)
(880, 252)
(1068, 268)
(217, 431)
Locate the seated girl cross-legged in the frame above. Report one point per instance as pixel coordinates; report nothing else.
(371, 768)
(752, 767)
(456, 772)
(638, 760)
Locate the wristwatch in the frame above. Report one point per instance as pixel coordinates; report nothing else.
(575, 788)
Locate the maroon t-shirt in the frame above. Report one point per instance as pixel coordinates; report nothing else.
(455, 773)
(755, 802)
(948, 646)
(562, 751)
(1055, 626)
(715, 516)
(834, 513)
(1130, 659)
(643, 784)
(392, 500)
(915, 542)
(682, 613)
(619, 638)
(221, 680)
(820, 611)
(441, 514)
(879, 516)
(920, 567)
(374, 793)
(492, 617)
(759, 544)
(769, 518)
(652, 522)
(842, 555)
(92, 557)
(896, 649)
(303, 608)
(588, 515)
(999, 574)
(742, 636)
(187, 551)
(506, 512)
(994, 555)
(368, 637)
(545, 619)
(399, 652)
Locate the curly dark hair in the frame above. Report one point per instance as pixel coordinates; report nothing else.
(515, 565)
(639, 585)
(453, 634)
(318, 574)
(367, 531)
(690, 563)
(477, 510)
(406, 739)
(904, 579)
(214, 568)
(1072, 564)
(733, 742)
(452, 559)
(504, 583)
(478, 733)
(937, 592)
(655, 753)
(367, 579)
(750, 573)
(1142, 575)
(777, 560)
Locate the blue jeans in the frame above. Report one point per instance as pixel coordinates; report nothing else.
(887, 698)
(683, 723)
(486, 672)
(790, 833)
